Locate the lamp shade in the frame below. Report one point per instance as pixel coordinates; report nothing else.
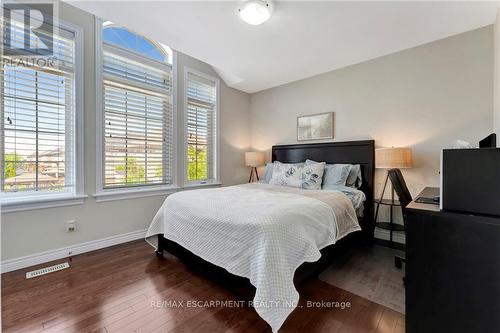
(388, 158)
(254, 158)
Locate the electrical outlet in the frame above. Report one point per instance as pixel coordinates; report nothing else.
(70, 225)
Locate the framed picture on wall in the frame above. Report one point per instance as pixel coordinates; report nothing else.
(315, 126)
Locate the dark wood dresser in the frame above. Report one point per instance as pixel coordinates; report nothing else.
(452, 270)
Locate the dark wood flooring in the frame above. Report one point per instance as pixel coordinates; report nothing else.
(111, 290)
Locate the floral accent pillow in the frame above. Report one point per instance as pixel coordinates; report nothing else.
(298, 175)
(334, 174)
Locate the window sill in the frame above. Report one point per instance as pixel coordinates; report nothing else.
(123, 194)
(11, 205)
(200, 185)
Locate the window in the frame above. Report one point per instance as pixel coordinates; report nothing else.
(201, 106)
(137, 118)
(40, 110)
(130, 41)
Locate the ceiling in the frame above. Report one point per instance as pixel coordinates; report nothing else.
(302, 38)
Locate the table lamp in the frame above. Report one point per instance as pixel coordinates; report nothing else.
(392, 158)
(253, 159)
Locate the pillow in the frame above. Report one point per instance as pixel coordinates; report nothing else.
(268, 173)
(334, 174)
(355, 178)
(298, 175)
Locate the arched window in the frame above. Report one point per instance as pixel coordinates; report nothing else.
(130, 41)
(137, 113)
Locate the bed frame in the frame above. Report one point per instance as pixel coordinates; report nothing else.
(351, 152)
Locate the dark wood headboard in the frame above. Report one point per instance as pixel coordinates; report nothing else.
(349, 152)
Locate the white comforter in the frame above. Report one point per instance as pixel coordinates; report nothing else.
(259, 231)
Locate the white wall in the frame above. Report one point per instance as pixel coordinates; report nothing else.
(29, 232)
(496, 90)
(425, 97)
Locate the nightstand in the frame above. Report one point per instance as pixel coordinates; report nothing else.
(389, 225)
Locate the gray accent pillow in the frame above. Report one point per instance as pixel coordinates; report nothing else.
(335, 174)
(268, 173)
(298, 175)
(355, 178)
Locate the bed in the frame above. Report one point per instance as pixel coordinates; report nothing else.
(260, 240)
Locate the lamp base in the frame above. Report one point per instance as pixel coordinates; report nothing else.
(391, 226)
(254, 175)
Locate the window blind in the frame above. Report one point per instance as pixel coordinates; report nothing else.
(38, 117)
(201, 109)
(138, 121)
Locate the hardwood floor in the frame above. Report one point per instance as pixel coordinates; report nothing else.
(112, 290)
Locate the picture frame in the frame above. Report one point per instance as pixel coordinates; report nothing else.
(315, 126)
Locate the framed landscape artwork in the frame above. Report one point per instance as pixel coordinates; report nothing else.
(315, 126)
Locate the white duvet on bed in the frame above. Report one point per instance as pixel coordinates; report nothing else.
(259, 231)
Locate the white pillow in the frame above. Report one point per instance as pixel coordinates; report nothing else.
(298, 175)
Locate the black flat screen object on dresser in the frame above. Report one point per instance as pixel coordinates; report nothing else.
(489, 142)
(471, 181)
(452, 271)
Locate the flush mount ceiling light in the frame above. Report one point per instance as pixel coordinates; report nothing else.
(256, 12)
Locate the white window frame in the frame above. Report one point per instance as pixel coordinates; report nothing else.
(101, 194)
(30, 201)
(202, 183)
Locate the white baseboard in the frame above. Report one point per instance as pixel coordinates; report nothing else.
(397, 237)
(42, 257)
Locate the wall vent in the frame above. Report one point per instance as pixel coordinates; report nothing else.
(47, 270)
